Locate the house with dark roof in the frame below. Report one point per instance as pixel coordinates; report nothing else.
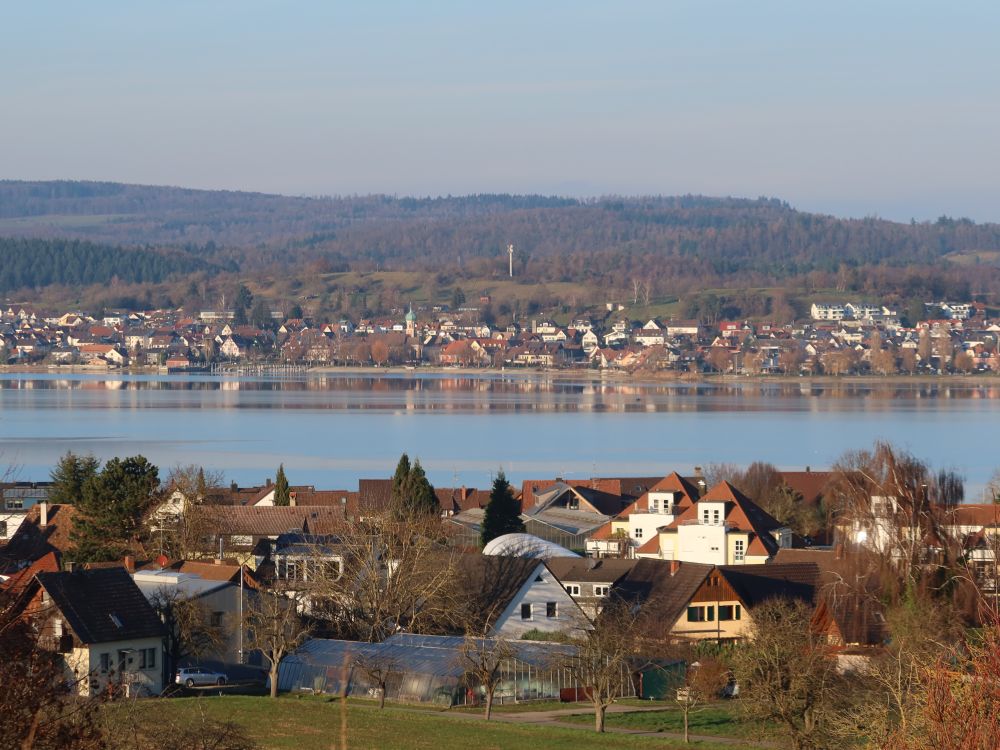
(590, 581)
(110, 637)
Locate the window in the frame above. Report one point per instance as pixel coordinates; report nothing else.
(147, 658)
(738, 550)
(728, 612)
(15, 503)
(701, 614)
(216, 619)
(573, 589)
(638, 533)
(525, 611)
(601, 590)
(105, 662)
(551, 609)
(715, 517)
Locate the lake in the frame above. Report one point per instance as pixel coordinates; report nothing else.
(331, 429)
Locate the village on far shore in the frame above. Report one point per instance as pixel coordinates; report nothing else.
(837, 339)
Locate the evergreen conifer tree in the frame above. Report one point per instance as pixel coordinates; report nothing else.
(412, 494)
(69, 476)
(401, 481)
(503, 512)
(282, 495)
(111, 507)
(423, 501)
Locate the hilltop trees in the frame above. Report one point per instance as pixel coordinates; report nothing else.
(503, 512)
(111, 508)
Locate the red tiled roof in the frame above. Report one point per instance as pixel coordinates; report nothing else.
(651, 546)
(673, 482)
(32, 541)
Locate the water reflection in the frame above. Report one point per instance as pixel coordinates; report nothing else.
(474, 393)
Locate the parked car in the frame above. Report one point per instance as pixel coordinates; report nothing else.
(193, 676)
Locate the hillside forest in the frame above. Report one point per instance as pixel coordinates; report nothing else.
(99, 245)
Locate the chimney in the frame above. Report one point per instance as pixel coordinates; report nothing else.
(267, 482)
(464, 494)
(674, 567)
(129, 564)
(43, 514)
(291, 499)
(217, 560)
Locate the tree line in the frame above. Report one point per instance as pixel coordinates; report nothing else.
(31, 263)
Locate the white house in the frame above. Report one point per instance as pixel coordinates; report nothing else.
(723, 527)
(517, 595)
(110, 637)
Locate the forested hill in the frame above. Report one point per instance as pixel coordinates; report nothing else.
(676, 243)
(33, 263)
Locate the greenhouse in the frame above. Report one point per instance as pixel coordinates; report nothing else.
(428, 669)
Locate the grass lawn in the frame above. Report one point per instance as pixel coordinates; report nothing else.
(722, 720)
(315, 724)
(533, 706)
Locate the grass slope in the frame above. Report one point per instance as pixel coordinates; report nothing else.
(315, 724)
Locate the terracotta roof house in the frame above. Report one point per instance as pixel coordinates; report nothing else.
(45, 529)
(634, 527)
(723, 527)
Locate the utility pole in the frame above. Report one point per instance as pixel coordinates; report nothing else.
(510, 259)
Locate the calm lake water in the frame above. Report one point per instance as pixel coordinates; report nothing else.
(329, 430)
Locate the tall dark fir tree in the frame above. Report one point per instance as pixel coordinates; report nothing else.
(503, 512)
(282, 493)
(412, 493)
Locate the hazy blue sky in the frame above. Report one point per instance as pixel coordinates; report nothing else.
(888, 108)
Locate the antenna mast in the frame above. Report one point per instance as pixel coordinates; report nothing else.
(510, 259)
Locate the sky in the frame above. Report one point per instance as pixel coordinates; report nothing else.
(868, 108)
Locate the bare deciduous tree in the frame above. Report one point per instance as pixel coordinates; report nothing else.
(483, 659)
(786, 673)
(39, 709)
(274, 627)
(601, 665)
(191, 632)
(396, 575)
(378, 667)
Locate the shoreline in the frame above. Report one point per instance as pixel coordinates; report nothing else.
(660, 378)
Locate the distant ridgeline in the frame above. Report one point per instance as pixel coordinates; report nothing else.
(26, 263)
(675, 243)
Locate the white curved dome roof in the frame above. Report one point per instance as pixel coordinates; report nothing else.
(525, 545)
